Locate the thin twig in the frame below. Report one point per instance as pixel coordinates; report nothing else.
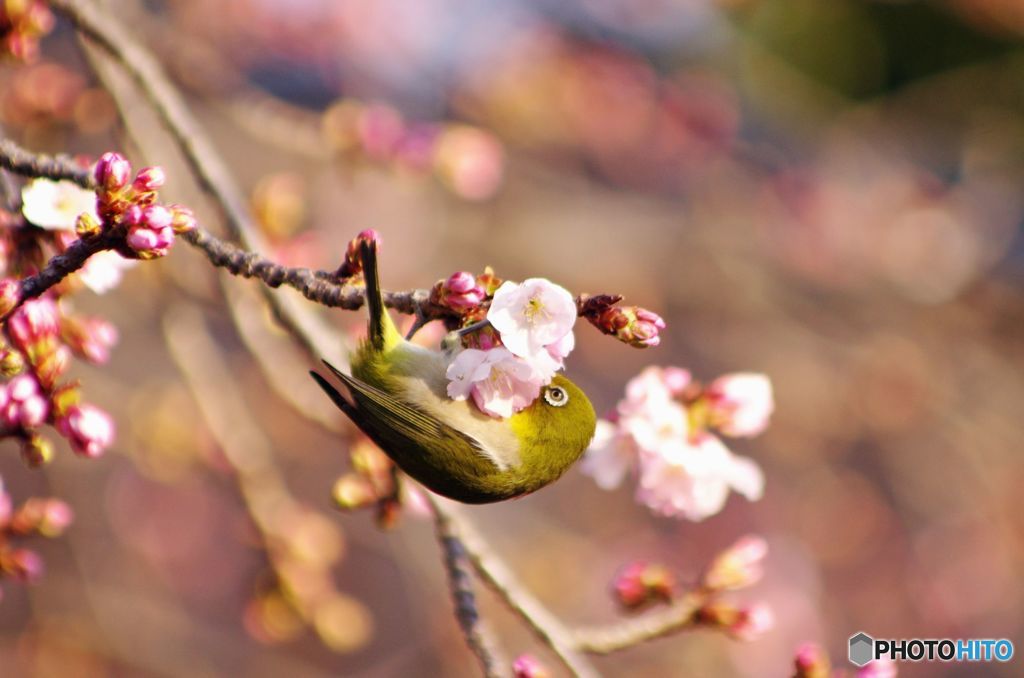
(460, 581)
(680, 615)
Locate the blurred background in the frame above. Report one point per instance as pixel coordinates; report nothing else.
(826, 192)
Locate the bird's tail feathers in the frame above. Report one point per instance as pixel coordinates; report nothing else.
(381, 330)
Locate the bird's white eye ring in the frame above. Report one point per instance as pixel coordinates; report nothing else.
(556, 396)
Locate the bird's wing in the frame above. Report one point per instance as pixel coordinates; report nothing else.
(397, 415)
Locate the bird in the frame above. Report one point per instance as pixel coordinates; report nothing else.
(398, 398)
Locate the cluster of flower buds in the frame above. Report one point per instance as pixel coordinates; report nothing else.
(42, 340)
(665, 430)
(34, 330)
(641, 583)
(130, 205)
(35, 517)
(373, 481)
(22, 24)
(468, 161)
(527, 666)
(630, 324)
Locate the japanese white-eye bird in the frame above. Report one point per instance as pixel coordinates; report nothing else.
(399, 400)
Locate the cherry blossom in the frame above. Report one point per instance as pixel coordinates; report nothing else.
(741, 403)
(692, 479)
(612, 454)
(55, 205)
(661, 428)
(532, 315)
(499, 382)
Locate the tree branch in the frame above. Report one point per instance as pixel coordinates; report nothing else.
(460, 582)
(23, 162)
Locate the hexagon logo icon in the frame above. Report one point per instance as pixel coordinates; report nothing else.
(862, 649)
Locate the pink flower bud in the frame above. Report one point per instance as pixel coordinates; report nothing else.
(527, 666)
(34, 411)
(22, 387)
(33, 321)
(133, 216)
(645, 328)
(157, 217)
(633, 325)
(461, 282)
(640, 583)
(738, 566)
(92, 338)
(164, 239)
(142, 240)
(23, 565)
(752, 622)
(112, 171)
(811, 662)
(461, 292)
(149, 179)
(10, 292)
(89, 429)
(56, 517)
(183, 219)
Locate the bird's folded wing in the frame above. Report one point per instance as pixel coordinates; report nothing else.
(405, 419)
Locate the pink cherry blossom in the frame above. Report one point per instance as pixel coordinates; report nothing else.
(741, 403)
(692, 479)
(499, 382)
(611, 455)
(532, 315)
(89, 429)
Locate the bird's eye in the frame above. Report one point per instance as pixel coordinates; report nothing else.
(556, 396)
